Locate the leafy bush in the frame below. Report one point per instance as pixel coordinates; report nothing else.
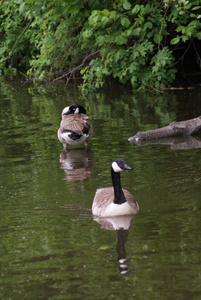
(132, 41)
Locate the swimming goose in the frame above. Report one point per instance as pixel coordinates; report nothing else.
(75, 127)
(114, 201)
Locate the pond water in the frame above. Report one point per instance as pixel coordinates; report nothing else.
(51, 247)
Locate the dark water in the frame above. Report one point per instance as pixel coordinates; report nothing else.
(51, 248)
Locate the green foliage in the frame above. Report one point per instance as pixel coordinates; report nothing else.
(186, 15)
(131, 49)
(128, 40)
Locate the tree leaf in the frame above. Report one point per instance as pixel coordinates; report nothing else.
(120, 40)
(126, 5)
(125, 22)
(158, 38)
(137, 31)
(198, 35)
(106, 12)
(180, 28)
(100, 40)
(175, 40)
(22, 7)
(74, 9)
(185, 38)
(135, 9)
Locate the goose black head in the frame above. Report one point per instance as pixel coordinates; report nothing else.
(119, 165)
(74, 109)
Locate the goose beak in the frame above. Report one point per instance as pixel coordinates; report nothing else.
(126, 167)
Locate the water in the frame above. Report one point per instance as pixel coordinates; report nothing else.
(51, 247)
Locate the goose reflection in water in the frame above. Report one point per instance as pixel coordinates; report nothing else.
(121, 225)
(77, 164)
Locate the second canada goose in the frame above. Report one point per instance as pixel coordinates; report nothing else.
(114, 201)
(75, 127)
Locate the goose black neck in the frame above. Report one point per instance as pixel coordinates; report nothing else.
(119, 197)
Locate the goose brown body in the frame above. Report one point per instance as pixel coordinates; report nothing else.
(104, 198)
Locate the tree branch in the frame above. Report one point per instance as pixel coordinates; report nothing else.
(76, 68)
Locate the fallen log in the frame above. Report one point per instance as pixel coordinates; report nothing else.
(174, 129)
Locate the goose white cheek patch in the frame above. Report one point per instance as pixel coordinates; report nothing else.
(65, 110)
(116, 168)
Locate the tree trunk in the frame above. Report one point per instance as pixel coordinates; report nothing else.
(174, 129)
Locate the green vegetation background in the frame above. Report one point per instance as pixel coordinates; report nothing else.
(132, 41)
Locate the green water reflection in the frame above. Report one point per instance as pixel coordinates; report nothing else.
(51, 248)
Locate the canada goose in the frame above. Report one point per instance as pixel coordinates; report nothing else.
(75, 127)
(114, 201)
